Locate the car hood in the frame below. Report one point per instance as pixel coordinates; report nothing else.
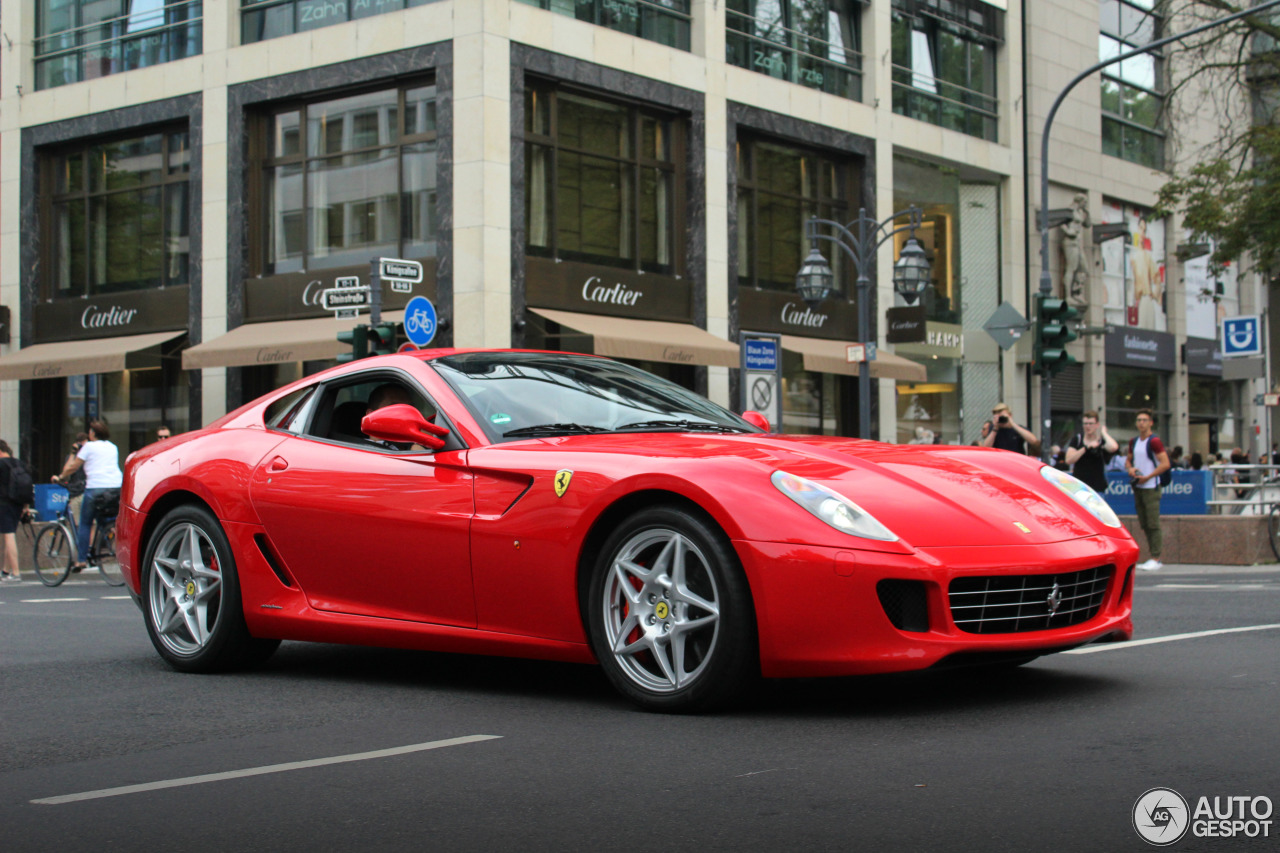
(927, 495)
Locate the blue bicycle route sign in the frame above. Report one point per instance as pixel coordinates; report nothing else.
(420, 320)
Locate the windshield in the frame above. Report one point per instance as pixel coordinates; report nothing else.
(519, 395)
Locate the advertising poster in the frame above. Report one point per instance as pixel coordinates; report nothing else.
(1133, 269)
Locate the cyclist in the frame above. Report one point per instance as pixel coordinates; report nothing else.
(101, 461)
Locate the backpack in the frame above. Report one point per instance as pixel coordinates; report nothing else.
(1167, 477)
(22, 488)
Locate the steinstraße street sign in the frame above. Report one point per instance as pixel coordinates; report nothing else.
(1006, 325)
(338, 298)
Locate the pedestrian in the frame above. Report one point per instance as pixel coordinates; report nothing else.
(1197, 461)
(1089, 452)
(1146, 460)
(10, 514)
(1176, 459)
(101, 461)
(162, 433)
(75, 483)
(1010, 435)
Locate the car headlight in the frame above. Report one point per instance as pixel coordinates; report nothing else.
(1081, 494)
(831, 507)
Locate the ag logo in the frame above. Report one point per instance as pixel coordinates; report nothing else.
(562, 481)
(1161, 817)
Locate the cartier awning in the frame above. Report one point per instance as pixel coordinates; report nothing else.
(826, 356)
(276, 342)
(96, 355)
(648, 340)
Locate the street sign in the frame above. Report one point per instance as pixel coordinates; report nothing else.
(346, 281)
(761, 354)
(335, 298)
(1241, 336)
(1271, 399)
(408, 347)
(346, 313)
(855, 352)
(399, 286)
(1006, 325)
(420, 320)
(400, 269)
(761, 360)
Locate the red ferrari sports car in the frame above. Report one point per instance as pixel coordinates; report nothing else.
(574, 508)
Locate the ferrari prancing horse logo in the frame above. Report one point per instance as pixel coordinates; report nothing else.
(562, 481)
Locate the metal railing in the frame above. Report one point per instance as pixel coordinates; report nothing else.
(1244, 489)
(952, 106)
(134, 40)
(793, 56)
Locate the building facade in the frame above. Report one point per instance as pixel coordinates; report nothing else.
(626, 177)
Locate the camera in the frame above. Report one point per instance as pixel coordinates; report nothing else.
(1003, 419)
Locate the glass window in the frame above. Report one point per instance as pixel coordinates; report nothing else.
(811, 42)
(664, 21)
(779, 189)
(944, 56)
(602, 184)
(83, 39)
(1128, 391)
(350, 178)
(118, 218)
(1133, 89)
(268, 19)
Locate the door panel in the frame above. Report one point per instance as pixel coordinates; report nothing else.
(369, 532)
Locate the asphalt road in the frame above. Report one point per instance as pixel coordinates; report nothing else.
(1051, 756)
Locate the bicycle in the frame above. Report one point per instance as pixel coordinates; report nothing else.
(55, 549)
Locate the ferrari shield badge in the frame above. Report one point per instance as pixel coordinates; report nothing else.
(562, 481)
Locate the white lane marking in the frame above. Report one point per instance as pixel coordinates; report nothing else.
(259, 771)
(1244, 586)
(1106, 647)
(116, 597)
(48, 600)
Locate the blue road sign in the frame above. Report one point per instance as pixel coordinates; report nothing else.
(420, 320)
(761, 354)
(1241, 336)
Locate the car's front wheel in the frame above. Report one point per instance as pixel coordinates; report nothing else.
(670, 613)
(191, 596)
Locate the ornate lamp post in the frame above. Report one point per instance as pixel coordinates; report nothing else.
(860, 239)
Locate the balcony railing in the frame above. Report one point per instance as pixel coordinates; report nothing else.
(664, 21)
(136, 40)
(948, 105)
(793, 56)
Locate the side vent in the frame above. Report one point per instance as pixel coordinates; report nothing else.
(260, 539)
(905, 604)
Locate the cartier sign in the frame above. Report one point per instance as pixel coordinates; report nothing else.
(785, 313)
(128, 313)
(593, 289)
(906, 325)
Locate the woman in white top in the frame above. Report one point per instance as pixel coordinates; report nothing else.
(101, 461)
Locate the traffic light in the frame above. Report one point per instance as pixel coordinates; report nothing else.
(382, 339)
(1055, 328)
(358, 338)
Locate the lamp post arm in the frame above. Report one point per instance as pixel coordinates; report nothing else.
(859, 249)
(844, 238)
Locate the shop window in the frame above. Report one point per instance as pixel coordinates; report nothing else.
(268, 19)
(816, 403)
(1128, 391)
(664, 21)
(1132, 90)
(83, 39)
(814, 43)
(601, 182)
(346, 179)
(779, 189)
(117, 217)
(944, 63)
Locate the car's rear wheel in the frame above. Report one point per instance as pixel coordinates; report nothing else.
(670, 613)
(192, 596)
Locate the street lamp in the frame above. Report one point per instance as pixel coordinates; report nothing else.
(815, 281)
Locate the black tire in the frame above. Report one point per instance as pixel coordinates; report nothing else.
(670, 614)
(1273, 527)
(106, 556)
(53, 554)
(191, 596)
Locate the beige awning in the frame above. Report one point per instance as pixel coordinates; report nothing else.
(826, 356)
(96, 355)
(276, 342)
(648, 340)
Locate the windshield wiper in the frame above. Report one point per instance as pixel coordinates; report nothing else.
(680, 426)
(553, 429)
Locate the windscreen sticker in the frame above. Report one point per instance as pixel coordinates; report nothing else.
(500, 418)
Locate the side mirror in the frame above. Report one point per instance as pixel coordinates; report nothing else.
(756, 419)
(403, 423)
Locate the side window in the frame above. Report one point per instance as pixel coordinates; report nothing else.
(284, 413)
(342, 407)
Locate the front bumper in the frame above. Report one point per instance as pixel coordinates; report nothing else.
(819, 613)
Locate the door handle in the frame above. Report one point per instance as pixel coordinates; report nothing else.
(277, 464)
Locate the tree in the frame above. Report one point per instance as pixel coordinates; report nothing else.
(1231, 191)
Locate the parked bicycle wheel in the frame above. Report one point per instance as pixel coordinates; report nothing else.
(1273, 527)
(106, 557)
(53, 554)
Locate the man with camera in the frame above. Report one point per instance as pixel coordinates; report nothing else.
(1009, 435)
(1090, 451)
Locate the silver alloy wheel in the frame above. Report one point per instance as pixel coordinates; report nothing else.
(661, 610)
(185, 589)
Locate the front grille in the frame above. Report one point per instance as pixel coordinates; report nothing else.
(905, 604)
(1009, 604)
